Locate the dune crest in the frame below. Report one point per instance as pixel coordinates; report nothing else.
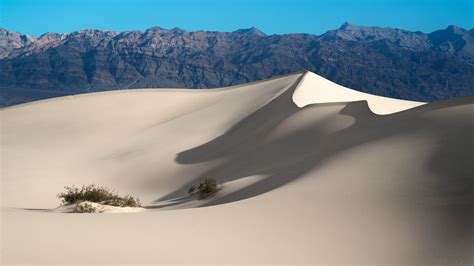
(298, 160)
(316, 89)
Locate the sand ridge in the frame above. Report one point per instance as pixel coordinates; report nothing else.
(300, 160)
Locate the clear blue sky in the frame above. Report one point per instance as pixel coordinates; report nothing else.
(271, 16)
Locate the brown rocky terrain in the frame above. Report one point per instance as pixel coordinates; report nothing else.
(382, 61)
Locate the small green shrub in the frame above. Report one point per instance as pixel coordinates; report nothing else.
(207, 187)
(127, 201)
(97, 194)
(85, 208)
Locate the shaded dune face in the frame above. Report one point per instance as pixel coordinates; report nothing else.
(258, 145)
(446, 191)
(127, 140)
(249, 147)
(406, 174)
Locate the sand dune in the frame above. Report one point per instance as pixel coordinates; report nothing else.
(310, 172)
(316, 89)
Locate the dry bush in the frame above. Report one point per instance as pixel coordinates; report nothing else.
(97, 194)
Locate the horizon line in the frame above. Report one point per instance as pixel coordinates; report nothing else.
(238, 29)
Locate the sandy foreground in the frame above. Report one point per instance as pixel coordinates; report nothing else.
(310, 172)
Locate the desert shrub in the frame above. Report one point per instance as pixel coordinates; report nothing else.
(127, 201)
(86, 193)
(191, 190)
(85, 208)
(97, 194)
(207, 187)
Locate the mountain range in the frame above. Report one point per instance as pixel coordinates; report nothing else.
(383, 61)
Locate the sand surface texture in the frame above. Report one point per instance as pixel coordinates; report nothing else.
(309, 172)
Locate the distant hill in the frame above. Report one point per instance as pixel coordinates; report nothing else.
(382, 61)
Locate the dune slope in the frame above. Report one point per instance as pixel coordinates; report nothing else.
(310, 172)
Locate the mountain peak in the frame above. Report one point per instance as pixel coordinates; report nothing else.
(51, 36)
(156, 28)
(455, 29)
(347, 25)
(7, 32)
(356, 33)
(251, 31)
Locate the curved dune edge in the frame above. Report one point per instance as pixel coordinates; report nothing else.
(301, 181)
(311, 89)
(314, 89)
(146, 90)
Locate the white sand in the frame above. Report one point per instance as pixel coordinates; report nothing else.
(316, 89)
(97, 208)
(330, 182)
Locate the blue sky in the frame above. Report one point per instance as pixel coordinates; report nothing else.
(271, 16)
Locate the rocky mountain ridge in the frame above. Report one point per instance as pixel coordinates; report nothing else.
(382, 61)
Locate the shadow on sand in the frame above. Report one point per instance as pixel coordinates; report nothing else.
(246, 150)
